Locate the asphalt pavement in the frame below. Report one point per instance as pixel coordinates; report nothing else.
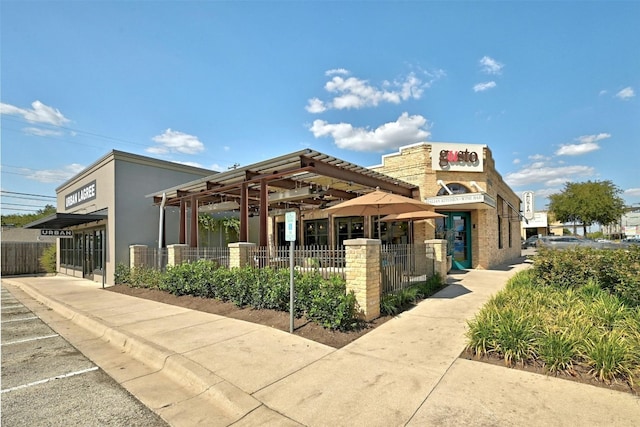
(195, 368)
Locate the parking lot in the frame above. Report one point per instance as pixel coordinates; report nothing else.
(47, 381)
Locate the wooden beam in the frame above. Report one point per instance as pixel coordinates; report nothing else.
(337, 172)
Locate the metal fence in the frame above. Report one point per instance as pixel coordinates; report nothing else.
(401, 266)
(155, 258)
(404, 265)
(219, 255)
(322, 259)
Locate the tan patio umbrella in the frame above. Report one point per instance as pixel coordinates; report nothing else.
(377, 203)
(412, 216)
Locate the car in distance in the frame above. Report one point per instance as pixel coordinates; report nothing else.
(566, 242)
(530, 242)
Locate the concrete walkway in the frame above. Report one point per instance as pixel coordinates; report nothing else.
(195, 368)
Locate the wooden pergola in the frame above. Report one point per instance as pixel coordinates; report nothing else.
(303, 180)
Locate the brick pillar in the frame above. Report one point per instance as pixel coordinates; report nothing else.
(441, 263)
(363, 274)
(176, 254)
(137, 256)
(240, 254)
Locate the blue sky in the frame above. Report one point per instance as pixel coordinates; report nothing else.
(551, 87)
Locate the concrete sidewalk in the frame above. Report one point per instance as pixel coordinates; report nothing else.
(196, 368)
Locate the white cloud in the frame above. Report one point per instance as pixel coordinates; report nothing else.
(577, 149)
(41, 132)
(406, 130)
(516, 161)
(481, 87)
(315, 106)
(176, 142)
(489, 65)
(355, 93)
(587, 144)
(632, 192)
(40, 113)
(226, 148)
(537, 157)
(593, 138)
(603, 92)
(548, 175)
(336, 71)
(626, 93)
(56, 175)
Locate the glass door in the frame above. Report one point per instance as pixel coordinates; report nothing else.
(456, 229)
(459, 223)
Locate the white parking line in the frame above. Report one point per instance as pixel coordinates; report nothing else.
(31, 339)
(19, 320)
(71, 374)
(4, 307)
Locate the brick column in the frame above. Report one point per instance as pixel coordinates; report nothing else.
(441, 263)
(362, 272)
(240, 254)
(176, 254)
(137, 256)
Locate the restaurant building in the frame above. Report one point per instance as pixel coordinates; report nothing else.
(125, 199)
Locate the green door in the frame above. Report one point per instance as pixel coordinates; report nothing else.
(460, 224)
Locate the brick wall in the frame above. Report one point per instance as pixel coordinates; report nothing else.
(413, 164)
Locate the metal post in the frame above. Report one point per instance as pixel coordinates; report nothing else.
(291, 290)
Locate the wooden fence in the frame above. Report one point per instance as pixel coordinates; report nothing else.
(22, 257)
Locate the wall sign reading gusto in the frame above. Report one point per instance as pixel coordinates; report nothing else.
(457, 157)
(81, 195)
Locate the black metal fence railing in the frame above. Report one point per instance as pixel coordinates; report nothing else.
(401, 266)
(154, 258)
(404, 265)
(219, 255)
(322, 259)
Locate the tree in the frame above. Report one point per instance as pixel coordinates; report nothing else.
(20, 220)
(588, 203)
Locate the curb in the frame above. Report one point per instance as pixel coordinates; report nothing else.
(229, 399)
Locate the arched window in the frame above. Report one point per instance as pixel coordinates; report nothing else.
(455, 189)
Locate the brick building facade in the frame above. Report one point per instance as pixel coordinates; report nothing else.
(482, 212)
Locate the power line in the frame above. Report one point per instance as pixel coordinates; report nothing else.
(28, 194)
(23, 205)
(19, 209)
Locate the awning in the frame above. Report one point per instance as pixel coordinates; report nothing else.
(58, 221)
(462, 201)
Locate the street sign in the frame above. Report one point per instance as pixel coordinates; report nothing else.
(290, 226)
(56, 233)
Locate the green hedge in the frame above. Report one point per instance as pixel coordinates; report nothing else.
(324, 301)
(617, 271)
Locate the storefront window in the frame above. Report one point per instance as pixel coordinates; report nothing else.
(349, 228)
(394, 233)
(77, 249)
(316, 232)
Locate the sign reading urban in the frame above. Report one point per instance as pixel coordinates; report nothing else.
(56, 233)
(81, 195)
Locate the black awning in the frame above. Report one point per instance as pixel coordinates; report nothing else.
(58, 221)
